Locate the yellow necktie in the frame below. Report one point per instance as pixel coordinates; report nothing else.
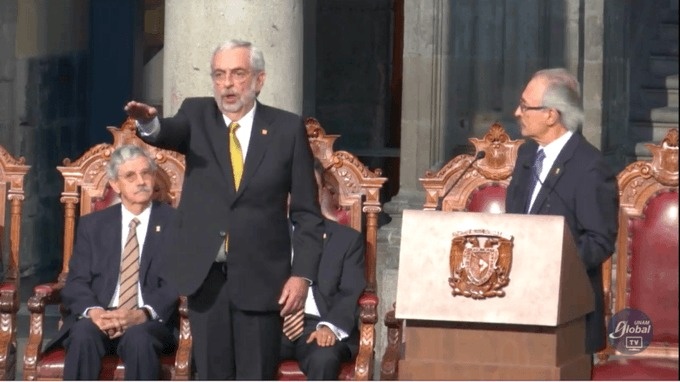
(236, 154)
(236, 164)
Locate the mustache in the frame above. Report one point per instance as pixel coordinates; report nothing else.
(141, 189)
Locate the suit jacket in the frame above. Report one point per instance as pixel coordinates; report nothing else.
(95, 266)
(341, 280)
(581, 187)
(279, 161)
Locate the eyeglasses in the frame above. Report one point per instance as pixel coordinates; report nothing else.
(523, 107)
(132, 176)
(236, 75)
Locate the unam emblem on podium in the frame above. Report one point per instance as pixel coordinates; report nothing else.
(480, 263)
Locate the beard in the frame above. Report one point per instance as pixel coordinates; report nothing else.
(245, 99)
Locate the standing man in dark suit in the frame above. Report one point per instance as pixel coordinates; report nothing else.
(330, 335)
(559, 173)
(231, 253)
(109, 312)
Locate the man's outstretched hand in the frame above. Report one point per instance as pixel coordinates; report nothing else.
(140, 111)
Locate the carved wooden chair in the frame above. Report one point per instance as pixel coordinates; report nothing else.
(12, 172)
(646, 265)
(462, 184)
(86, 190)
(358, 199)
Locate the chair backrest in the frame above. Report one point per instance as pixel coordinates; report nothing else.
(646, 275)
(477, 188)
(357, 190)
(86, 187)
(12, 172)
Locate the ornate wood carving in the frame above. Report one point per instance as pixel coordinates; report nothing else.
(638, 183)
(495, 168)
(359, 189)
(358, 192)
(12, 173)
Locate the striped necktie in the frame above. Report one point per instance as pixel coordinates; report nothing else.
(293, 324)
(129, 269)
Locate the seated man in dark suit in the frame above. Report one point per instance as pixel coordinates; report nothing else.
(330, 335)
(116, 300)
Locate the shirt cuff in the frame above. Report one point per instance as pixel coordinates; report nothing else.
(91, 307)
(339, 333)
(154, 316)
(149, 129)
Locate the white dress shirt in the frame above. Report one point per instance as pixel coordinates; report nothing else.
(551, 151)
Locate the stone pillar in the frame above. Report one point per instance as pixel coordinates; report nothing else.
(423, 121)
(194, 28)
(593, 65)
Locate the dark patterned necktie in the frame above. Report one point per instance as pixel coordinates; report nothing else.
(535, 174)
(129, 269)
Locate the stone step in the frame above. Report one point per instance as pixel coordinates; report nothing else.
(656, 97)
(667, 82)
(663, 65)
(665, 114)
(668, 32)
(650, 131)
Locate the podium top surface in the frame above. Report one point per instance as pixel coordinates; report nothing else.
(547, 282)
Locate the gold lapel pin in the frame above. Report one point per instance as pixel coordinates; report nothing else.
(158, 228)
(264, 131)
(557, 171)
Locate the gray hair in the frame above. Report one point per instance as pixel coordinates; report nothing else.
(124, 154)
(256, 56)
(563, 94)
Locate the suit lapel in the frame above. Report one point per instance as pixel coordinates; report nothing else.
(520, 196)
(555, 173)
(153, 233)
(319, 298)
(218, 135)
(113, 252)
(260, 137)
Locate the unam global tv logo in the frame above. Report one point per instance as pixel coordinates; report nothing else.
(630, 331)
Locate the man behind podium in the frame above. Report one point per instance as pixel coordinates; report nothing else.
(558, 172)
(330, 335)
(104, 316)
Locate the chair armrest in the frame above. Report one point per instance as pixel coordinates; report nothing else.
(9, 305)
(368, 317)
(43, 295)
(182, 370)
(389, 366)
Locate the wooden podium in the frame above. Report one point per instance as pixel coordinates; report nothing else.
(535, 329)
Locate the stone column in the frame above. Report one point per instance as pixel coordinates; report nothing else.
(423, 121)
(194, 28)
(593, 65)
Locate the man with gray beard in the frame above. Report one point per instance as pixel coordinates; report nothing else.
(231, 250)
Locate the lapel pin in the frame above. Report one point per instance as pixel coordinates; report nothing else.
(325, 236)
(158, 228)
(557, 171)
(264, 131)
